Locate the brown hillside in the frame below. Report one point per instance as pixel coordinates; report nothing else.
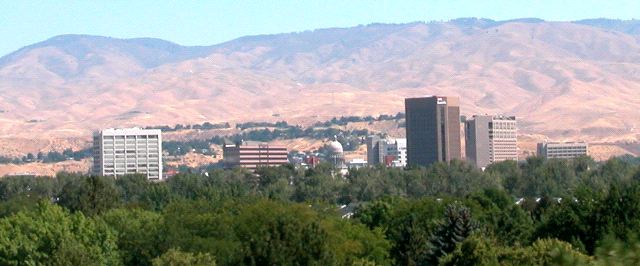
(564, 80)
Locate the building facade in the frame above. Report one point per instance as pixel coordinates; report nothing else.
(118, 152)
(388, 152)
(563, 150)
(357, 163)
(375, 154)
(433, 129)
(491, 139)
(253, 155)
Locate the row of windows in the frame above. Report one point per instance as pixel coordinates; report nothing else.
(567, 149)
(564, 153)
(131, 141)
(498, 125)
(120, 166)
(130, 156)
(120, 161)
(131, 137)
(110, 151)
(120, 145)
(131, 146)
(503, 135)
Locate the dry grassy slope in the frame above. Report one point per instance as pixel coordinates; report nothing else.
(45, 169)
(16, 147)
(193, 160)
(563, 80)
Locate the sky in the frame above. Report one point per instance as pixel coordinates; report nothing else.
(186, 22)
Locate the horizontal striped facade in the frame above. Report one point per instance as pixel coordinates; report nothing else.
(254, 156)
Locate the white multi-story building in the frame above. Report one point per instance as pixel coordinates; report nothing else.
(390, 152)
(491, 139)
(563, 150)
(397, 148)
(118, 152)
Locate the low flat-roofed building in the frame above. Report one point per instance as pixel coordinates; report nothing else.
(252, 155)
(388, 152)
(357, 163)
(563, 150)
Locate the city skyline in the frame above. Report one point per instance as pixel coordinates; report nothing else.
(299, 132)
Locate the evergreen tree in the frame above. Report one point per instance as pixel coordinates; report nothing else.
(455, 228)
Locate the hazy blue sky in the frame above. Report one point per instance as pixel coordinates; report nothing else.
(23, 22)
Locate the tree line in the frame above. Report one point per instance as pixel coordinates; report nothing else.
(537, 212)
(49, 157)
(203, 126)
(335, 121)
(344, 120)
(351, 138)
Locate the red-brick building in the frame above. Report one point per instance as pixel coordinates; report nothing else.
(253, 155)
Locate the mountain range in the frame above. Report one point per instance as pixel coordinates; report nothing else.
(564, 80)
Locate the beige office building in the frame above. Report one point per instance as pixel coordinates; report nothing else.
(563, 150)
(491, 139)
(118, 152)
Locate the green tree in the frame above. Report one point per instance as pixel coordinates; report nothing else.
(481, 250)
(475, 250)
(139, 233)
(612, 251)
(272, 234)
(592, 215)
(317, 187)
(352, 242)
(90, 195)
(495, 211)
(50, 235)
(203, 226)
(275, 182)
(133, 188)
(455, 228)
(410, 227)
(619, 212)
(616, 170)
(27, 186)
(378, 213)
(16, 204)
(175, 257)
(372, 183)
(509, 174)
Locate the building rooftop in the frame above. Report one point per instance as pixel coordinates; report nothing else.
(559, 142)
(254, 144)
(128, 131)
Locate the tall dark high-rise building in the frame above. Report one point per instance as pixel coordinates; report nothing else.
(433, 129)
(375, 153)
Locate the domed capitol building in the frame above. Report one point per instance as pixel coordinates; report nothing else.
(336, 155)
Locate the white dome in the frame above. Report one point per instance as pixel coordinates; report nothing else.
(335, 147)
